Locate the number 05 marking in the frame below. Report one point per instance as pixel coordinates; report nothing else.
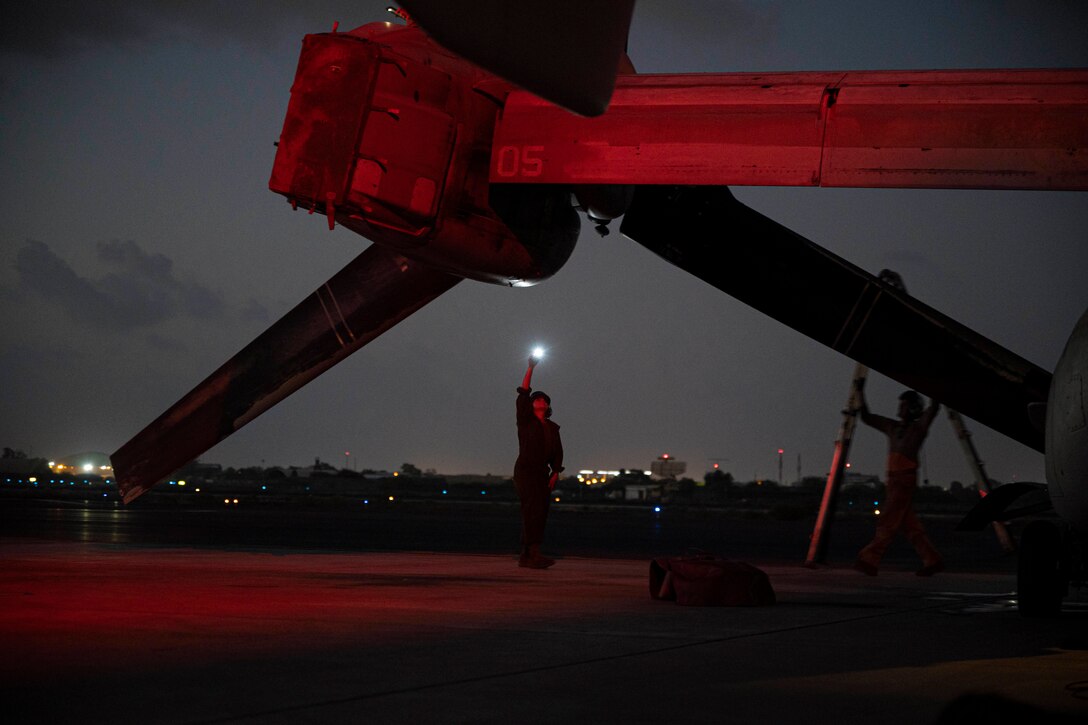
(519, 161)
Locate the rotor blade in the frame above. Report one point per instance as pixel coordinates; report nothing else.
(979, 129)
(566, 51)
(707, 232)
(372, 293)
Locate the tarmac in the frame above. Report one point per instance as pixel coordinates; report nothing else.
(97, 632)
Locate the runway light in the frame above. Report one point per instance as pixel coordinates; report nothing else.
(876, 512)
(390, 498)
(483, 493)
(657, 509)
(236, 501)
(226, 500)
(444, 492)
(557, 499)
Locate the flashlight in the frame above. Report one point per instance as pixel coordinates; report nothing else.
(538, 353)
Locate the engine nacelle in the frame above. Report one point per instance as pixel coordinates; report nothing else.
(390, 136)
(1067, 431)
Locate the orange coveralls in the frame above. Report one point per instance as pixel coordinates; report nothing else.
(904, 441)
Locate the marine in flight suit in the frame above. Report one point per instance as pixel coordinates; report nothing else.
(539, 462)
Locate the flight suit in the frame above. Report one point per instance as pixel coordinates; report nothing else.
(540, 453)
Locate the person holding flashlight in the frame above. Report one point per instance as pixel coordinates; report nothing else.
(540, 460)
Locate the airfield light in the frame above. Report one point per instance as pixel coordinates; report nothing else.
(32, 479)
(87, 467)
(876, 512)
(557, 499)
(657, 509)
(181, 483)
(235, 500)
(390, 498)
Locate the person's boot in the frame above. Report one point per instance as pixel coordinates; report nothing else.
(930, 569)
(865, 567)
(538, 560)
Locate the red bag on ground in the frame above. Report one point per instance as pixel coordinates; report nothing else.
(707, 580)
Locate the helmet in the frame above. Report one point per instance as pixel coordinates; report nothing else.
(913, 401)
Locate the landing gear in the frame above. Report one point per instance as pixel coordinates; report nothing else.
(1041, 579)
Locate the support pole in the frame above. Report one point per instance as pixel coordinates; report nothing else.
(821, 533)
(982, 481)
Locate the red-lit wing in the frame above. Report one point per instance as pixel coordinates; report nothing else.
(1017, 129)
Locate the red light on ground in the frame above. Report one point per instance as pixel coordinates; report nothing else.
(780, 451)
(715, 466)
(665, 455)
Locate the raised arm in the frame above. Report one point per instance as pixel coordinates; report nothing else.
(527, 381)
(931, 412)
(871, 419)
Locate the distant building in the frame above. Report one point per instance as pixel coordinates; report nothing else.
(861, 479)
(320, 468)
(667, 467)
(90, 463)
(199, 469)
(642, 492)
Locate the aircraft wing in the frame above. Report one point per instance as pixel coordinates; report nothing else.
(992, 129)
(372, 293)
(707, 232)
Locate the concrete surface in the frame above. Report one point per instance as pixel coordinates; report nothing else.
(106, 633)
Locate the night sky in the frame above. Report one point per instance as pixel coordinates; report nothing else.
(140, 248)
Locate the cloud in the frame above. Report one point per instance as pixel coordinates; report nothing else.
(137, 291)
(254, 311)
(61, 28)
